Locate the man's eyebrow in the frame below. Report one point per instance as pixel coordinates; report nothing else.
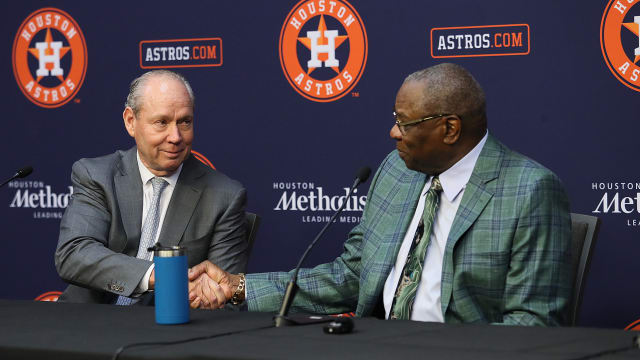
(398, 113)
(157, 116)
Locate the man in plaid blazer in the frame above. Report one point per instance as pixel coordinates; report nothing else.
(505, 258)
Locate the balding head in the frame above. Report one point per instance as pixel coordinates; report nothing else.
(138, 87)
(440, 115)
(451, 89)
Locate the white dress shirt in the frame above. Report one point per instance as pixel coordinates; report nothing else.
(427, 305)
(147, 196)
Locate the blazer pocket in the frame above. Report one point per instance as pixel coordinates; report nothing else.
(486, 271)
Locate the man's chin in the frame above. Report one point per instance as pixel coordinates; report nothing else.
(412, 166)
(174, 164)
(406, 159)
(171, 165)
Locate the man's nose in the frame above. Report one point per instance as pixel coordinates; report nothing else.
(174, 136)
(395, 132)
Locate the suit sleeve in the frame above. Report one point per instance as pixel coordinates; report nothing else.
(228, 247)
(329, 288)
(82, 257)
(325, 289)
(538, 284)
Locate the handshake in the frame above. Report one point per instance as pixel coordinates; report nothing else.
(211, 287)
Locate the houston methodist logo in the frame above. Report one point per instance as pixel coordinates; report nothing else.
(620, 41)
(323, 49)
(312, 202)
(49, 57)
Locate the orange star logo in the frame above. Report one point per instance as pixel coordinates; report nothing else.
(322, 27)
(634, 28)
(49, 51)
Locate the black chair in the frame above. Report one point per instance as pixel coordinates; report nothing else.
(584, 231)
(252, 222)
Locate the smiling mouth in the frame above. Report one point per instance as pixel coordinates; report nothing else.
(173, 153)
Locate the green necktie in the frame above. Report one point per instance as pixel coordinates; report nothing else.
(410, 278)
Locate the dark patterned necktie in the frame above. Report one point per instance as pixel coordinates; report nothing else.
(149, 229)
(411, 274)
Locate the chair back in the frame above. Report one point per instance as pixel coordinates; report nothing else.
(584, 231)
(252, 222)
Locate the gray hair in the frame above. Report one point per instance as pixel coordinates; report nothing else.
(451, 89)
(137, 85)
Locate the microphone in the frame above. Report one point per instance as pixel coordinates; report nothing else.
(281, 319)
(362, 176)
(24, 172)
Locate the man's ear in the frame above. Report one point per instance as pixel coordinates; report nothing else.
(454, 129)
(129, 117)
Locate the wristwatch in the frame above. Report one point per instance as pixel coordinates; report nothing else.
(238, 296)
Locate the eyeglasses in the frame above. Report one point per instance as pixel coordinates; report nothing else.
(403, 125)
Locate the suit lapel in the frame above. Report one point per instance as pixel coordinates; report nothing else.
(183, 202)
(406, 202)
(478, 191)
(128, 186)
(401, 198)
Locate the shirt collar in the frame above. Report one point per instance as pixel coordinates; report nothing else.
(455, 178)
(147, 175)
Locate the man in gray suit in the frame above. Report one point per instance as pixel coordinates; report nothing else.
(154, 192)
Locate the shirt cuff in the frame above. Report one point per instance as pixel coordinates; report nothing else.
(143, 286)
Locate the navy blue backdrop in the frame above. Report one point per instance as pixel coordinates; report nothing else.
(556, 101)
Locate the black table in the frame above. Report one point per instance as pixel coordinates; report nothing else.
(41, 330)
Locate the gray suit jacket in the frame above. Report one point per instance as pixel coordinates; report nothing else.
(100, 230)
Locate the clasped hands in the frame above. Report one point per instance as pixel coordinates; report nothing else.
(210, 287)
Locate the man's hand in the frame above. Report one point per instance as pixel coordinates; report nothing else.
(205, 293)
(209, 286)
(152, 279)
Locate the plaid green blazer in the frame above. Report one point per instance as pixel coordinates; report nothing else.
(507, 258)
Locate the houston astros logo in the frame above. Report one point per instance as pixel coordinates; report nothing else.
(202, 159)
(49, 57)
(635, 326)
(323, 49)
(49, 296)
(620, 41)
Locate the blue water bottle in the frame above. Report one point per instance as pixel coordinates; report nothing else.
(171, 284)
